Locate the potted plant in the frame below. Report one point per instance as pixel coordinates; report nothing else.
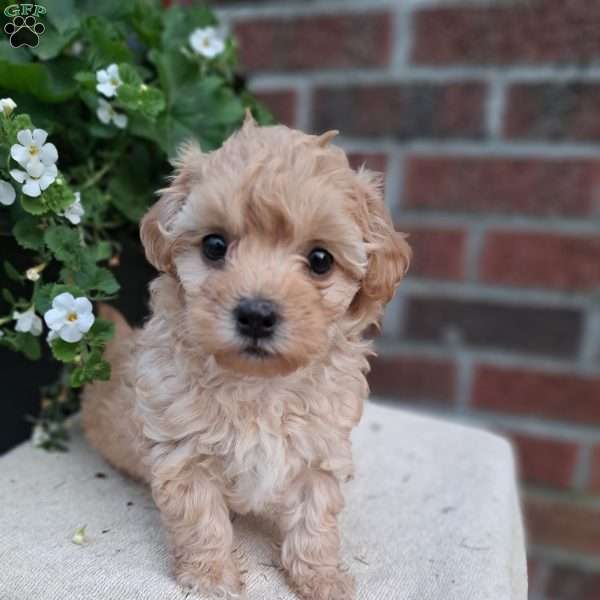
(89, 118)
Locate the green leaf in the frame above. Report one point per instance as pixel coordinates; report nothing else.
(102, 331)
(29, 345)
(77, 377)
(11, 272)
(106, 44)
(64, 243)
(147, 22)
(129, 75)
(142, 98)
(7, 295)
(90, 277)
(13, 55)
(33, 206)
(63, 14)
(58, 196)
(93, 368)
(65, 351)
(28, 233)
(49, 82)
(42, 299)
(103, 250)
(207, 110)
(12, 126)
(130, 188)
(52, 43)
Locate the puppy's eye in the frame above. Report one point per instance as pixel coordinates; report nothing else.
(320, 261)
(214, 247)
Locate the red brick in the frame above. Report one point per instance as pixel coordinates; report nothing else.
(595, 475)
(315, 42)
(562, 397)
(553, 112)
(569, 583)
(545, 461)
(376, 161)
(525, 328)
(556, 31)
(282, 103)
(413, 379)
(570, 525)
(533, 186)
(402, 110)
(437, 253)
(541, 259)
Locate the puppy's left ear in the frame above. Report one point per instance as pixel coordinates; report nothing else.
(155, 228)
(388, 253)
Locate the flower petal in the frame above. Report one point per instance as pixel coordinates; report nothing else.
(84, 322)
(49, 154)
(82, 305)
(107, 89)
(120, 121)
(69, 332)
(103, 114)
(47, 179)
(20, 154)
(113, 70)
(24, 137)
(102, 76)
(7, 193)
(35, 168)
(18, 175)
(32, 188)
(36, 326)
(55, 317)
(64, 301)
(39, 137)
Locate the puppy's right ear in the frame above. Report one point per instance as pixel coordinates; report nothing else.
(155, 229)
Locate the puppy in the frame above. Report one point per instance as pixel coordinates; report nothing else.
(241, 391)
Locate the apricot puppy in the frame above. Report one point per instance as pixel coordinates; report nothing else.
(241, 391)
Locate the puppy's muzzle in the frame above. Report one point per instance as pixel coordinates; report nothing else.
(256, 318)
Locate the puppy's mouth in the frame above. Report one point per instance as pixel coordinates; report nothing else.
(256, 351)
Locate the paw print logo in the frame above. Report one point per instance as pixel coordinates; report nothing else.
(24, 31)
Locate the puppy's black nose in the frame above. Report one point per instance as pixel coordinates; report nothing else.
(256, 318)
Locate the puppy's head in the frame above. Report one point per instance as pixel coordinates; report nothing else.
(276, 242)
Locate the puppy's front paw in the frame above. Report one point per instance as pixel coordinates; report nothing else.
(216, 578)
(324, 583)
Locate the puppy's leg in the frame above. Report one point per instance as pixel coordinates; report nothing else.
(311, 543)
(196, 517)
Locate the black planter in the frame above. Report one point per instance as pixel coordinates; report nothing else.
(21, 378)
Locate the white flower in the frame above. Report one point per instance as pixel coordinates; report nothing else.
(70, 317)
(7, 193)
(108, 80)
(39, 436)
(32, 274)
(32, 148)
(75, 210)
(106, 113)
(207, 41)
(36, 178)
(28, 322)
(7, 105)
(52, 335)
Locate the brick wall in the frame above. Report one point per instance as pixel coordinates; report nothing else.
(485, 117)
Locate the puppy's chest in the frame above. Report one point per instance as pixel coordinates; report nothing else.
(263, 458)
(257, 467)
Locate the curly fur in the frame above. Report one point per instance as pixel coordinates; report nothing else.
(214, 430)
